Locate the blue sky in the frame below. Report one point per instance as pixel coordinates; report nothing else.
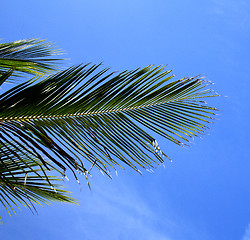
(204, 193)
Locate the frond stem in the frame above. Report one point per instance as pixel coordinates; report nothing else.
(79, 114)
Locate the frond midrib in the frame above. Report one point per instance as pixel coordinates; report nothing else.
(3, 119)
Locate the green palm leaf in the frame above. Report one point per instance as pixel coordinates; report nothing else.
(31, 56)
(23, 180)
(89, 117)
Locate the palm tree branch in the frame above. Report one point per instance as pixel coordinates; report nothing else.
(32, 56)
(22, 180)
(93, 114)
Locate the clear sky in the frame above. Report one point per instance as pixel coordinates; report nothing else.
(204, 194)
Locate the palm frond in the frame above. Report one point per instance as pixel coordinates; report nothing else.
(4, 76)
(24, 181)
(33, 56)
(84, 113)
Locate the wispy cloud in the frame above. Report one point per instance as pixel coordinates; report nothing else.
(124, 214)
(247, 233)
(124, 217)
(235, 13)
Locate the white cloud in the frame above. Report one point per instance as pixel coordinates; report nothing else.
(235, 13)
(122, 213)
(128, 215)
(247, 233)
